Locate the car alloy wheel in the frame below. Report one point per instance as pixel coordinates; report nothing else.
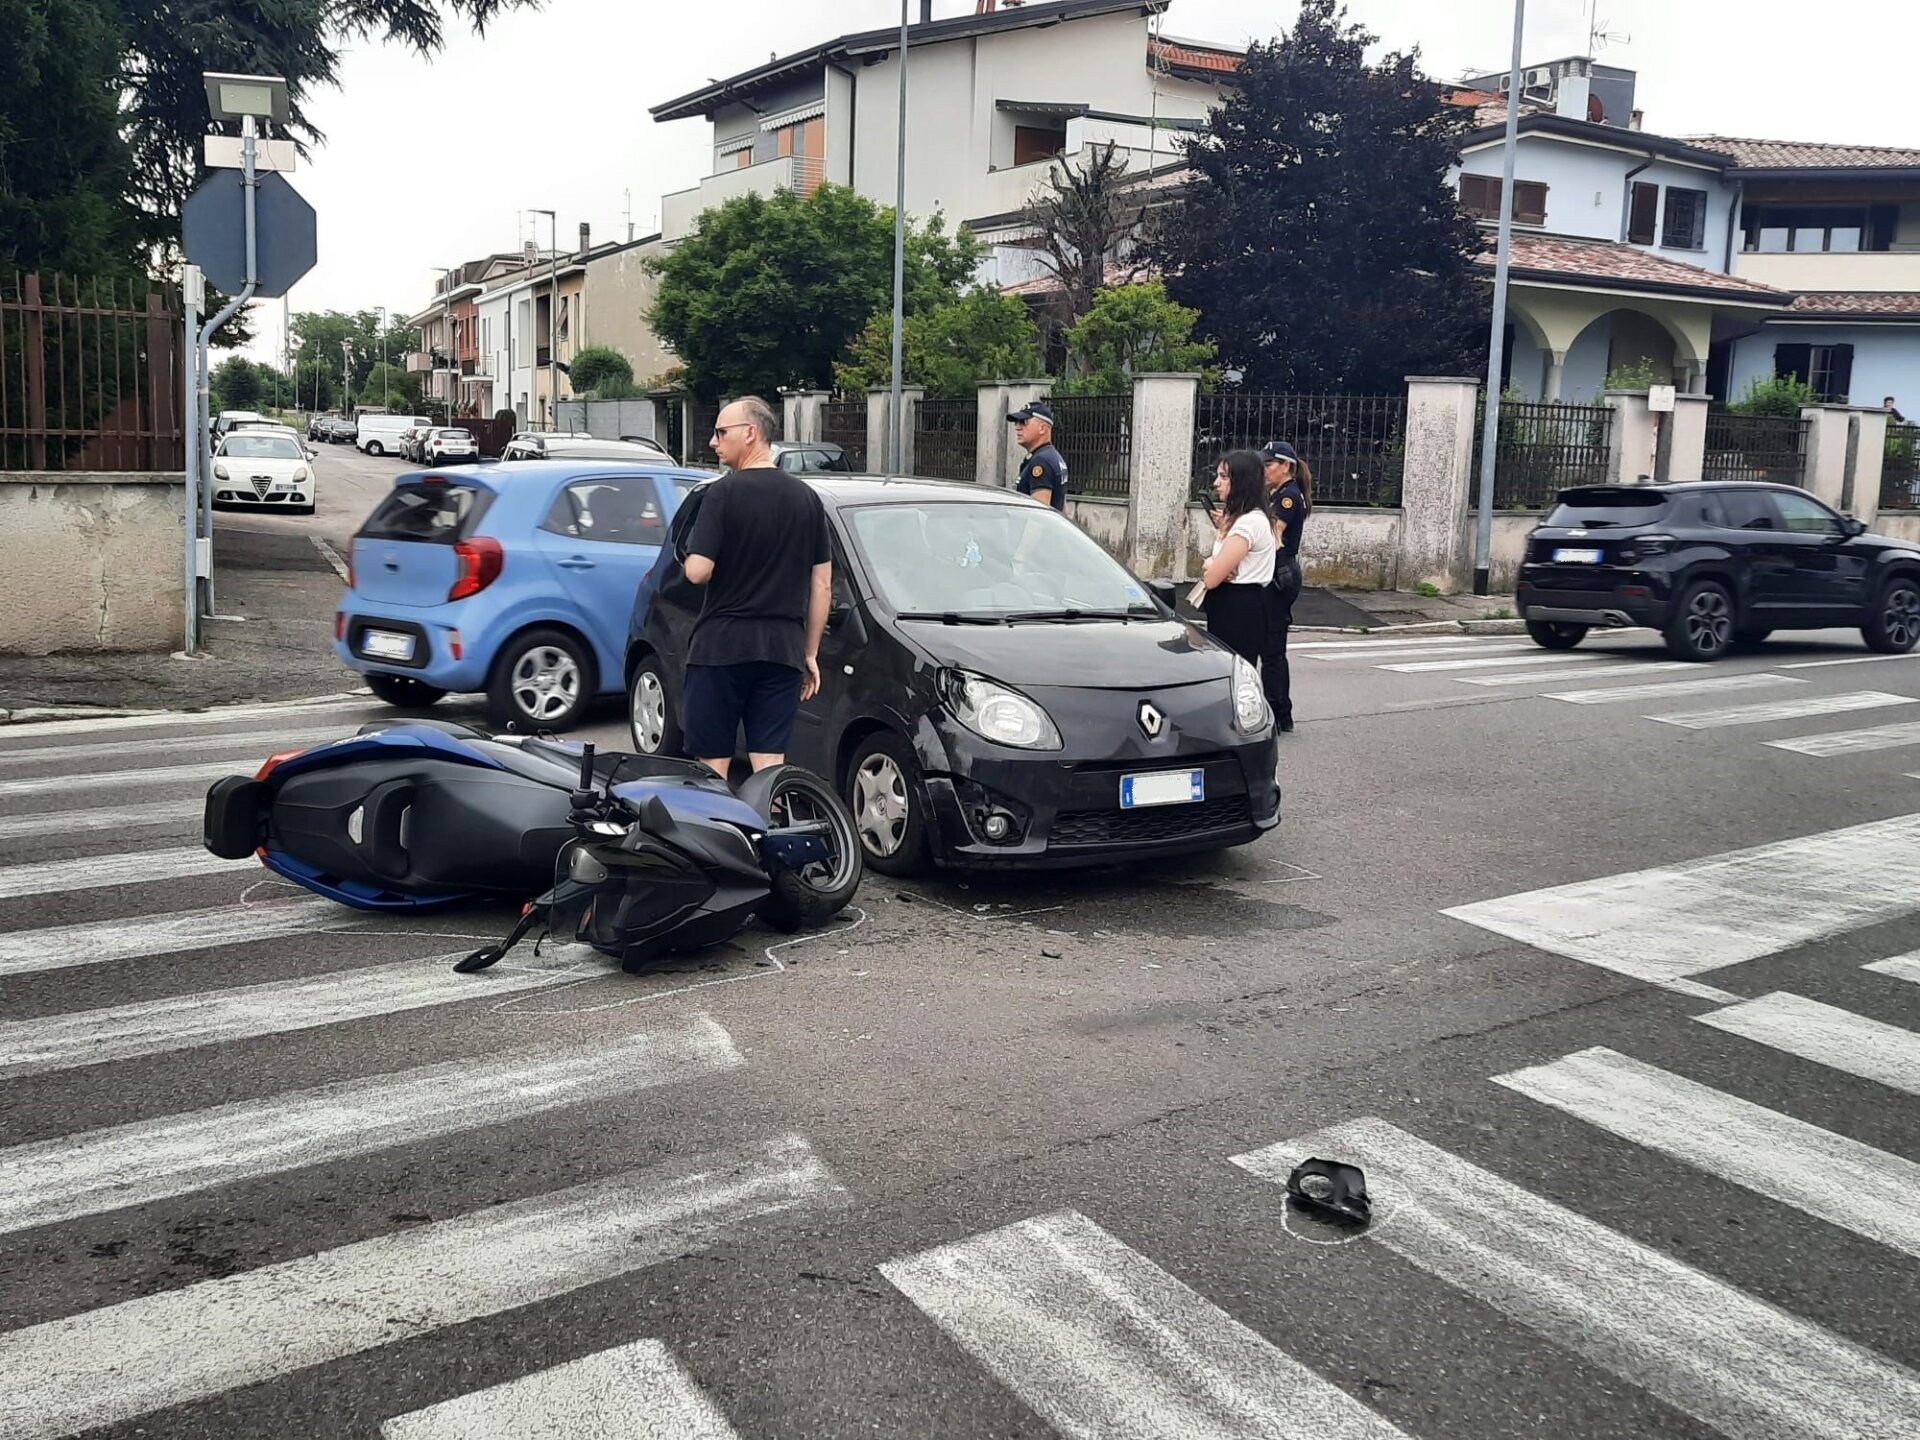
(649, 709)
(880, 805)
(1900, 616)
(1709, 622)
(545, 683)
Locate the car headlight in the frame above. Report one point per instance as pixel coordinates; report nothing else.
(993, 712)
(219, 472)
(302, 475)
(1249, 700)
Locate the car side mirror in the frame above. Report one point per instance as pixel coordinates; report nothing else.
(1853, 527)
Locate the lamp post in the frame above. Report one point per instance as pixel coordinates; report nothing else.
(894, 447)
(1497, 337)
(446, 328)
(380, 313)
(346, 375)
(553, 320)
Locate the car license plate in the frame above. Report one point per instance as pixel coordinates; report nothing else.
(1565, 556)
(386, 645)
(1168, 787)
(285, 485)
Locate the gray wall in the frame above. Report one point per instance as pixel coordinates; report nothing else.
(95, 562)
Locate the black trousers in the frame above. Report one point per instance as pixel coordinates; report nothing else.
(1276, 677)
(1237, 617)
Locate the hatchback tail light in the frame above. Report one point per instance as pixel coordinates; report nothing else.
(480, 560)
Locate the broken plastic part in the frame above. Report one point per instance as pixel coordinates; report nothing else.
(1332, 1189)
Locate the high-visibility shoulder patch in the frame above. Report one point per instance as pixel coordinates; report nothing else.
(1286, 502)
(1038, 471)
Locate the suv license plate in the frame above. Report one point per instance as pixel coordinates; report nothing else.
(1576, 557)
(1168, 787)
(386, 645)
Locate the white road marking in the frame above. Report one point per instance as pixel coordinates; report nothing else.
(105, 1366)
(1403, 652)
(1614, 694)
(1852, 742)
(60, 947)
(215, 1017)
(1698, 991)
(108, 817)
(1672, 921)
(1802, 708)
(351, 709)
(635, 1392)
(1826, 1035)
(127, 779)
(1541, 677)
(1900, 967)
(1735, 1363)
(1829, 1176)
(97, 872)
(1424, 642)
(1485, 662)
(53, 1181)
(1105, 1345)
(263, 743)
(1849, 660)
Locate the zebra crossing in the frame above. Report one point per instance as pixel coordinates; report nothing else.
(1066, 1308)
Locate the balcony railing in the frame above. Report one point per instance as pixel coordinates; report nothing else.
(680, 212)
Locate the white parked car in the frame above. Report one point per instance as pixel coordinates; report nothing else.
(380, 434)
(264, 469)
(443, 446)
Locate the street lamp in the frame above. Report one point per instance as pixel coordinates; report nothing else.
(1497, 338)
(894, 417)
(553, 320)
(346, 376)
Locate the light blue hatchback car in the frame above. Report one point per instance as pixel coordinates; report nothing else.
(515, 580)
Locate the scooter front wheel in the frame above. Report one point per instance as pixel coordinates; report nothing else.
(812, 894)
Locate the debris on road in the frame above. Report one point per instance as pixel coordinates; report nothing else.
(1332, 1189)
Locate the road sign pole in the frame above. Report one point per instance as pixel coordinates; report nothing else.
(195, 295)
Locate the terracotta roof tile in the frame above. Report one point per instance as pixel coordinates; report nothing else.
(1805, 155)
(1171, 52)
(1858, 302)
(1578, 259)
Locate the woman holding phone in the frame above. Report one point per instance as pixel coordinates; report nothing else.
(1239, 572)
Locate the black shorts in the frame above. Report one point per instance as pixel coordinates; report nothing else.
(720, 698)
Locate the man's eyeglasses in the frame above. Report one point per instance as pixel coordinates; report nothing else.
(720, 430)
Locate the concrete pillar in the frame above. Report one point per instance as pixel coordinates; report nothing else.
(1556, 376)
(1436, 485)
(1867, 457)
(994, 462)
(879, 402)
(789, 415)
(1825, 476)
(1160, 473)
(910, 398)
(808, 419)
(1630, 454)
(1683, 439)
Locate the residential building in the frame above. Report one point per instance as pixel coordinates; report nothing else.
(994, 100)
(450, 355)
(1718, 260)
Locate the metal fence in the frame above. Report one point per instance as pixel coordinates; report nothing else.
(1543, 448)
(844, 423)
(1354, 444)
(1755, 447)
(90, 375)
(1900, 469)
(1094, 434)
(946, 439)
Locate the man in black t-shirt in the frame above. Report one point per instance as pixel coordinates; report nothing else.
(759, 545)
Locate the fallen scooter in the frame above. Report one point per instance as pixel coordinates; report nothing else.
(413, 815)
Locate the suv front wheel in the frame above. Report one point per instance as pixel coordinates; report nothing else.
(1893, 624)
(1556, 634)
(1703, 623)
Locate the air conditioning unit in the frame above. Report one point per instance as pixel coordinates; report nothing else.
(1539, 75)
(529, 252)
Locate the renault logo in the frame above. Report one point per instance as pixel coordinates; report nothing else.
(1151, 720)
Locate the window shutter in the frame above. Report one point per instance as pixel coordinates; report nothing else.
(1480, 196)
(1530, 202)
(1793, 361)
(1645, 214)
(1841, 385)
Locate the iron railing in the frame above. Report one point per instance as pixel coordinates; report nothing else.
(1900, 469)
(1544, 447)
(946, 439)
(90, 375)
(1354, 444)
(1094, 434)
(844, 423)
(1755, 447)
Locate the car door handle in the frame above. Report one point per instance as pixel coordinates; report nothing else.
(576, 562)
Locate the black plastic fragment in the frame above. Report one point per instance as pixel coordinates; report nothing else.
(1331, 1189)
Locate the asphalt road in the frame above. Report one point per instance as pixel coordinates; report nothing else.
(1004, 1158)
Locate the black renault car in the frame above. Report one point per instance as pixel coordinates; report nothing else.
(996, 689)
(1712, 565)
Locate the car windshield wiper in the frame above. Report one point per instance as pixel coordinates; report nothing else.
(1074, 613)
(952, 617)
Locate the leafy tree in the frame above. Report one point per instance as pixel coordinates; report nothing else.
(317, 386)
(1325, 250)
(1132, 329)
(1083, 222)
(769, 292)
(1777, 395)
(238, 383)
(951, 349)
(603, 372)
(392, 386)
(320, 332)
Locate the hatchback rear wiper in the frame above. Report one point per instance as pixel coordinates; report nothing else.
(952, 617)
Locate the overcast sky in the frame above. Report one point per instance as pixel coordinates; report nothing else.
(429, 164)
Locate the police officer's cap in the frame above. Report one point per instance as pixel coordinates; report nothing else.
(1038, 410)
(1279, 450)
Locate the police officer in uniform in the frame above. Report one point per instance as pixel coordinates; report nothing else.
(1043, 474)
(1290, 500)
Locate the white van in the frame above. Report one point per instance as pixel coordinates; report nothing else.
(380, 434)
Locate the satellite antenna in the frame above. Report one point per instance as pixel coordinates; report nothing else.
(1600, 34)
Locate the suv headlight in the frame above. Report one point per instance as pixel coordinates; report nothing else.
(995, 713)
(1249, 700)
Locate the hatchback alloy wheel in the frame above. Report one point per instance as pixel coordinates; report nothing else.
(546, 683)
(880, 804)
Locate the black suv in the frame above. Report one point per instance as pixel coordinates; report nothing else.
(1711, 565)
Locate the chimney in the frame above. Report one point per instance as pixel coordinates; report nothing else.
(585, 243)
(1638, 117)
(1572, 92)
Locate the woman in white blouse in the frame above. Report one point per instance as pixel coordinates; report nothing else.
(1241, 566)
